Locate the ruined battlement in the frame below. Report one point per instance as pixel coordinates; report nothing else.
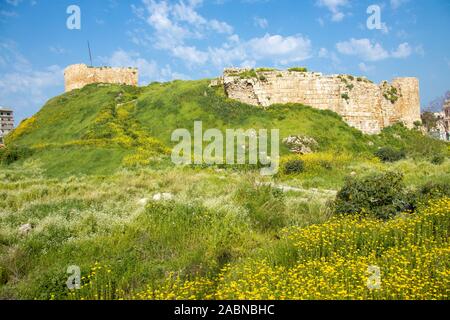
(364, 105)
(78, 75)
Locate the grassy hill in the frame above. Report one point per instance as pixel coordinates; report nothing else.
(82, 174)
(101, 128)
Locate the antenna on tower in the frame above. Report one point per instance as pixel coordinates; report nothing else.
(90, 55)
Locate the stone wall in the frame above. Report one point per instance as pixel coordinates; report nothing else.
(361, 103)
(78, 75)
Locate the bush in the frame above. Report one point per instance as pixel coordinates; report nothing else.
(12, 154)
(438, 159)
(381, 195)
(434, 190)
(388, 154)
(294, 166)
(298, 69)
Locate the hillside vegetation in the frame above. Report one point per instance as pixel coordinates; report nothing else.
(131, 125)
(86, 174)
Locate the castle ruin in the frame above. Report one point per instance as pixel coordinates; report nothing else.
(79, 75)
(362, 104)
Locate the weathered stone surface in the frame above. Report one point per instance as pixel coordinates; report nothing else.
(361, 103)
(300, 144)
(163, 197)
(25, 229)
(78, 75)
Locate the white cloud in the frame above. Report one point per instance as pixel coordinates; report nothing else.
(365, 68)
(420, 50)
(362, 48)
(148, 69)
(22, 86)
(323, 53)
(395, 4)
(384, 28)
(335, 8)
(220, 27)
(372, 51)
(178, 24)
(14, 2)
(8, 14)
(404, 50)
(260, 22)
(190, 54)
(285, 49)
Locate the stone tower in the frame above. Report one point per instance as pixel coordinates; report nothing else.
(78, 75)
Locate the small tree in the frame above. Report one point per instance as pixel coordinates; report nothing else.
(429, 120)
(381, 195)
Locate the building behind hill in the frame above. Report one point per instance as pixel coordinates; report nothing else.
(79, 75)
(446, 120)
(6, 122)
(362, 104)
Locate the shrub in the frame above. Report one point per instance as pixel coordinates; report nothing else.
(265, 69)
(345, 96)
(298, 69)
(434, 190)
(388, 154)
(425, 193)
(248, 74)
(12, 154)
(438, 159)
(381, 195)
(294, 166)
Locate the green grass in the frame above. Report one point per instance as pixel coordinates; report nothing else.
(120, 119)
(98, 152)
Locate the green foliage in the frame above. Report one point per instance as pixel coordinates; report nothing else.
(391, 94)
(438, 159)
(345, 96)
(381, 195)
(248, 74)
(264, 204)
(265, 69)
(413, 142)
(388, 154)
(429, 120)
(294, 166)
(13, 153)
(298, 69)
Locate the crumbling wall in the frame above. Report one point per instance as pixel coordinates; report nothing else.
(361, 103)
(78, 75)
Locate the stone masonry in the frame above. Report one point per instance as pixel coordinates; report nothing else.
(78, 75)
(362, 104)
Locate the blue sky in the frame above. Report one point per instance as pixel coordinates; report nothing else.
(193, 39)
